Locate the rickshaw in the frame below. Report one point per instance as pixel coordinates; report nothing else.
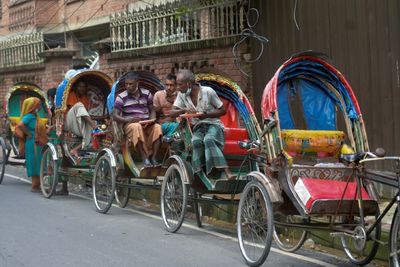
(119, 168)
(58, 165)
(12, 110)
(314, 144)
(181, 185)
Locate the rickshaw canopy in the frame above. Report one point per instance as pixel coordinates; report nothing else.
(97, 78)
(321, 88)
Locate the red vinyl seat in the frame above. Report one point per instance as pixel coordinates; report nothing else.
(233, 133)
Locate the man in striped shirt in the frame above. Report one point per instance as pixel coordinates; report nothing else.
(134, 108)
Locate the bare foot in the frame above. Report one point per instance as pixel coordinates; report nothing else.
(229, 175)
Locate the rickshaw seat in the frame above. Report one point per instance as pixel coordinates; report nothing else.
(233, 133)
(311, 190)
(316, 142)
(15, 120)
(232, 136)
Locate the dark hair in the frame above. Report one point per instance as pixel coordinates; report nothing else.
(51, 92)
(171, 77)
(131, 76)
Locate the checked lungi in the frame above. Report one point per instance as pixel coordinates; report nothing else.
(208, 143)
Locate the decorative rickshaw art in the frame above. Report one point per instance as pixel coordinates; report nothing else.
(58, 165)
(12, 109)
(181, 184)
(314, 145)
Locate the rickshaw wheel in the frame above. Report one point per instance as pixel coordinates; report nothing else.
(288, 238)
(394, 244)
(255, 223)
(123, 193)
(48, 174)
(359, 248)
(3, 158)
(103, 184)
(173, 198)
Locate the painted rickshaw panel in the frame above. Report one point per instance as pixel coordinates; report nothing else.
(16, 96)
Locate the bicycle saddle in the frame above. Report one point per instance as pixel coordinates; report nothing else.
(350, 158)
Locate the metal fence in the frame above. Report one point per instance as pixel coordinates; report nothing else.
(176, 22)
(22, 50)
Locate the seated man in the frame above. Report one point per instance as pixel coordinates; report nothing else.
(133, 107)
(78, 120)
(208, 132)
(162, 103)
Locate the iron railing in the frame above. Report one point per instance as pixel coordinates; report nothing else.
(21, 50)
(176, 22)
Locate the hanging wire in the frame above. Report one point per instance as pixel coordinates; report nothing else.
(248, 33)
(294, 15)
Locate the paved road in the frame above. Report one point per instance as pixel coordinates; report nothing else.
(66, 231)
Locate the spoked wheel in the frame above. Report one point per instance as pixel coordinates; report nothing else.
(255, 223)
(103, 184)
(3, 158)
(48, 174)
(123, 193)
(173, 198)
(288, 238)
(360, 248)
(394, 244)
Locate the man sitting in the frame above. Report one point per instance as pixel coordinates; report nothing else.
(208, 132)
(134, 108)
(162, 103)
(78, 120)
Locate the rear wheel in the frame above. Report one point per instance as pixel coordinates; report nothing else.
(173, 198)
(103, 184)
(255, 223)
(360, 248)
(123, 193)
(3, 158)
(394, 244)
(288, 238)
(48, 173)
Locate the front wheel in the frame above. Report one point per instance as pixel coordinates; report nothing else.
(3, 158)
(255, 223)
(48, 173)
(287, 237)
(173, 198)
(103, 184)
(394, 244)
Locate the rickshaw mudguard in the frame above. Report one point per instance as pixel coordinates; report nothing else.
(271, 185)
(52, 149)
(186, 170)
(110, 154)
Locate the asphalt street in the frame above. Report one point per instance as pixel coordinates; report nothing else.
(67, 231)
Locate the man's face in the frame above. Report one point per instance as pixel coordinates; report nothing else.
(131, 86)
(181, 84)
(170, 85)
(81, 88)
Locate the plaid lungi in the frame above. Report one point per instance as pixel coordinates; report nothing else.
(208, 143)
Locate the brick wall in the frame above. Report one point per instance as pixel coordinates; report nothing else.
(219, 60)
(77, 12)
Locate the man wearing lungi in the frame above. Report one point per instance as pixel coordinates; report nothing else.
(134, 108)
(208, 132)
